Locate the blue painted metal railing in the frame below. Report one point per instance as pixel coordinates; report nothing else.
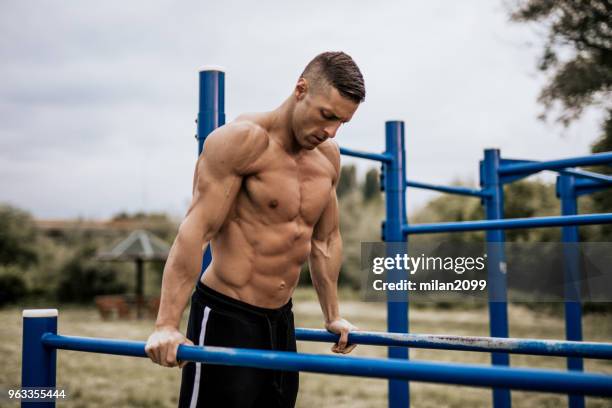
(542, 347)
(381, 157)
(515, 223)
(41, 342)
(534, 167)
(460, 374)
(447, 189)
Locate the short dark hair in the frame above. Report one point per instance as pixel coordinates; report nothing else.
(339, 70)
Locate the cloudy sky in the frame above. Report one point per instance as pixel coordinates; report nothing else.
(98, 99)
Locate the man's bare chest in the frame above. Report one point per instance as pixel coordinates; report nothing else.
(287, 190)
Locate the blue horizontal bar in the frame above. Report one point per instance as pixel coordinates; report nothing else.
(447, 189)
(584, 174)
(583, 187)
(579, 173)
(530, 379)
(466, 343)
(534, 222)
(518, 168)
(591, 184)
(381, 157)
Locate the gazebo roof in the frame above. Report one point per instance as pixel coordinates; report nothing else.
(140, 244)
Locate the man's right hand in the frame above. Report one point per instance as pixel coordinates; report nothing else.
(162, 346)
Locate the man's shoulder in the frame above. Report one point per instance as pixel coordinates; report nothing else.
(247, 133)
(331, 151)
(238, 143)
(242, 134)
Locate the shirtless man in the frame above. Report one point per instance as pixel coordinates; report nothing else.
(264, 196)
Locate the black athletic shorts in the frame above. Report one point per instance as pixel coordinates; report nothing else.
(219, 320)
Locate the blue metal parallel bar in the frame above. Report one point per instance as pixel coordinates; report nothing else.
(384, 157)
(533, 167)
(507, 179)
(395, 196)
(580, 183)
(466, 343)
(582, 187)
(513, 223)
(447, 189)
(573, 308)
(460, 374)
(496, 273)
(582, 174)
(589, 175)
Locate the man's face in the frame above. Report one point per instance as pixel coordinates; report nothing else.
(319, 114)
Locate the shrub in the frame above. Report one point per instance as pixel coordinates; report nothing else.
(12, 286)
(84, 278)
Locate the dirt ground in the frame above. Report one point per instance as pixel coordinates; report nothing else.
(94, 380)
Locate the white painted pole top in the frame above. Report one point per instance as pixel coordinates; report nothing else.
(212, 68)
(40, 313)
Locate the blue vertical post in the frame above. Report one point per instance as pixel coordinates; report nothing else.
(573, 311)
(496, 265)
(395, 193)
(211, 115)
(38, 363)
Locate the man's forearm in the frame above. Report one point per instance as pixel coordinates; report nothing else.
(179, 278)
(324, 262)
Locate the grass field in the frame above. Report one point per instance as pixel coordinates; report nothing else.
(94, 380)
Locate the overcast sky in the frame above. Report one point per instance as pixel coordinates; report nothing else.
(98, 99)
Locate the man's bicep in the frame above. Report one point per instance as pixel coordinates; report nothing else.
(329, 221)
(228, 154)
(215, 188)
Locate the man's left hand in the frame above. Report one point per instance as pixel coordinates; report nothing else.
(342, 327)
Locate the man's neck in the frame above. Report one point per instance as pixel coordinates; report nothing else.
(281, 127)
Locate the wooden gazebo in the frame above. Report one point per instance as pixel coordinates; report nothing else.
(139, 246)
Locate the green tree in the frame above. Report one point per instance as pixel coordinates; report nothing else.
(522, 199)
(348, 180)
(83, 277)
(12, 285)
(577, 55)
(447, 208)
(17, 237)
(371, 185)
(527, 199)
(602, 201)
